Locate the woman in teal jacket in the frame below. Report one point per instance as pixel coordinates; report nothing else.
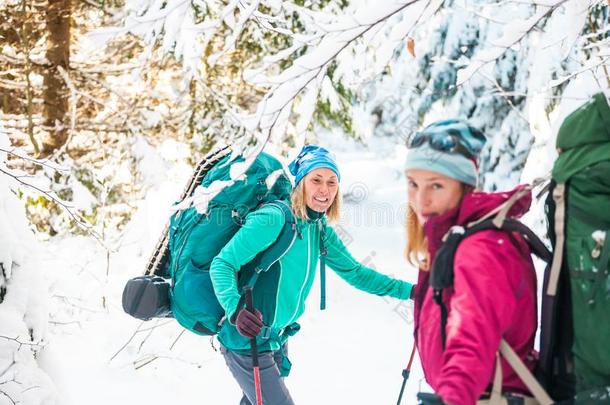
(280, 293)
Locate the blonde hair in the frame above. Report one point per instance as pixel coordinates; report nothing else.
(416, 250)
(299, 203)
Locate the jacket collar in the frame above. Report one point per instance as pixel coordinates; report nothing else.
(474, 206)
(314, 216)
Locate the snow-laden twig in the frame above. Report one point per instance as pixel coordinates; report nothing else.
(21, 343)
(8, 368)
(159, 14)
(514, 33)
(590, 66)
(52, 196)
(501, 92)
(245, 13)
(286, 86)
(21, 154)
(133, 335)
(7, 395)
(139, 329)
(139, 363)
(480, 13)
(177, 338)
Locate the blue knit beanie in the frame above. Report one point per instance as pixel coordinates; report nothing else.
(449, 163)
(312, 157)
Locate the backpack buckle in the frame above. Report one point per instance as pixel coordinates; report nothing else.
(454, 230)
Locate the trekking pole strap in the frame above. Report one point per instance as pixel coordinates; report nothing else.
(560, 211)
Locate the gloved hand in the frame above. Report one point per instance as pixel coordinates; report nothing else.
(412, 291)
(249, 324)
(425, 398)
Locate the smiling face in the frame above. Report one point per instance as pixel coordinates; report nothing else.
(321, 186)
(432, 193)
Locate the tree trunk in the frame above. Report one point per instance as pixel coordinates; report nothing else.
(55, 89)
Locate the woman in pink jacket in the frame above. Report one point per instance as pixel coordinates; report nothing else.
(494, 287)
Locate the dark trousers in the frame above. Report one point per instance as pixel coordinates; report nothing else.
(272, 385)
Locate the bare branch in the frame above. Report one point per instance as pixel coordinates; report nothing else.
(602, 62)
(21, 154)
(138, 364)
(8, 396)
(177, 338)
(51, 196)
(8, 368)
(126, 343)
(501, 92)
(133, 335)
(21, 343)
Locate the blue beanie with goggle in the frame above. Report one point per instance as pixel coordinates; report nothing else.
(312, 157)
(449, 147)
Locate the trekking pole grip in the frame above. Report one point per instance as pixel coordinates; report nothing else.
(250, 307)
(255, 369)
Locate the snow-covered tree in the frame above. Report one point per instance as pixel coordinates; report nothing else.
(503, 66)
(499, 64)
(23, 302)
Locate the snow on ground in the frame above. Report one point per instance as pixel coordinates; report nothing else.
(353, 352)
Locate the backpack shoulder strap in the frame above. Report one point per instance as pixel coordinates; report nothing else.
(559, 196)
(442, 273)
(280, 247)
(283, 242)
(524, 374)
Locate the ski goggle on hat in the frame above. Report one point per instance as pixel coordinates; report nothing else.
(450, 147)
(450, 136)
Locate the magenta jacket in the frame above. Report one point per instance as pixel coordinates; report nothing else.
(494, 296)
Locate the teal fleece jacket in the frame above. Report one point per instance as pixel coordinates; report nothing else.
(297, 270)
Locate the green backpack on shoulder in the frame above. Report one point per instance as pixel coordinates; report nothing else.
(575, 328)
(178, 283)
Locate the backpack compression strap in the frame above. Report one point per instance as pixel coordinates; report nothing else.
(441, 275)
(160, 254)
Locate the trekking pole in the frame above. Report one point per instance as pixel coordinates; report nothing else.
(255, 369)
(405, 374)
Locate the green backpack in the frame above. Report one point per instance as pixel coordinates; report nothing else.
(195, 238)
(575, 328)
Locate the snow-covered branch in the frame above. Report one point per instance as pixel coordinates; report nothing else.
(20, 342)
(52, 196)
(306, 74)
(514, 32)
